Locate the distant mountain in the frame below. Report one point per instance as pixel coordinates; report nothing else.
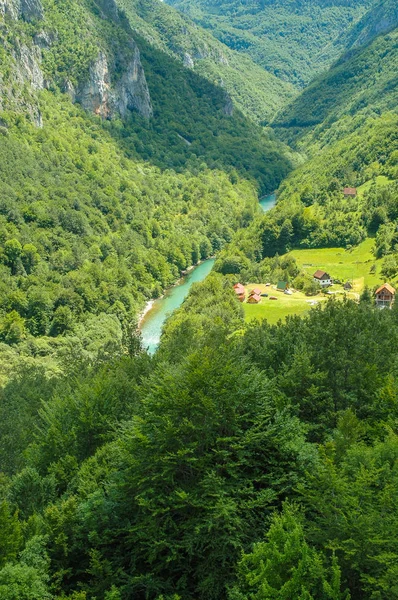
(383, 17)
(292, 39)
(257, 93)
(363, 81)
(346, 123)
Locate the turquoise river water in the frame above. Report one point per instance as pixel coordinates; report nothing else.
(153, 321)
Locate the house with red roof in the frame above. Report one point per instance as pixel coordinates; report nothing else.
(240, 291)
(385, 296)
(322, 278)
(350, 192)
(255, 292)
(254, 299)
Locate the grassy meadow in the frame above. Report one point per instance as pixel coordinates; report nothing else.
(354, 265)
(274, 310)
(357, 265)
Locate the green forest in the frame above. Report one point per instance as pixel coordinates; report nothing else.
(233, 465)
(244, 459)
(291, 39)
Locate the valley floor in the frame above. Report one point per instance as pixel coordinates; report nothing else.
(357, 265)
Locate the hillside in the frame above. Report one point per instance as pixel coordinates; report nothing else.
(255, 92)
(293, 40)
(380, 19)
(346, 124)
(119, 168)
(254, 455)
(363, 82)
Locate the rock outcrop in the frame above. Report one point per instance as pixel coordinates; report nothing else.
(29, 10)
(100, 96)
(101, 92)
(9, 8)
(188, 61)
(132, 91)
(109, 9)
(228, 106)
(28, 66)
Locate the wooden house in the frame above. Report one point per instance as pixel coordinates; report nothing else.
(254, 299)
(385, 296)
(350, 192)
(322, 278)
(240, 291)
(348, 286)
(256, 292)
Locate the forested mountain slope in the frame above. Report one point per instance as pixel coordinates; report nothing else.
(381, 18)
(292, 39)
(119, 168)
(257, 93)
(243, 462)
(346, 122)
(362, 82)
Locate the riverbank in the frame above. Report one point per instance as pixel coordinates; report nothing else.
(155, 312)
(149, 304)
(152, 321)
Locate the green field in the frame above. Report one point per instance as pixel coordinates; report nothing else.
(274, 310)
(381, 181)
(347, 265)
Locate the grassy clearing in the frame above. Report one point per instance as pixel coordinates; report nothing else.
(274, 310)
(347, 265)
(381, 181)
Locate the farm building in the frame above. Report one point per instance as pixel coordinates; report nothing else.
(385, 296)
(254, 299)
(240, 291)
(256, 292)
(322, 278)
(350, 192)
(348, 286)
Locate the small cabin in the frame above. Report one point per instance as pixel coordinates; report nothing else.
(322, 278)
(385, 296)
(348, 286)
(350, 192)
(240, 291)
(255, 292)
(254, 299)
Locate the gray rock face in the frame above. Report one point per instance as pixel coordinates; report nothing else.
(31, 10)
(28, 61)
(228, 106)
(95, 94)
(131, 92)
(187, 61)
(108, 9)
(9, 8)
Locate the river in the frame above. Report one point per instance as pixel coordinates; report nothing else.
(153, 320)
(268, 202)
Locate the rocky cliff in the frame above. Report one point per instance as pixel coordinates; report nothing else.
(97, 94)
(29, 10)
(98, 90)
